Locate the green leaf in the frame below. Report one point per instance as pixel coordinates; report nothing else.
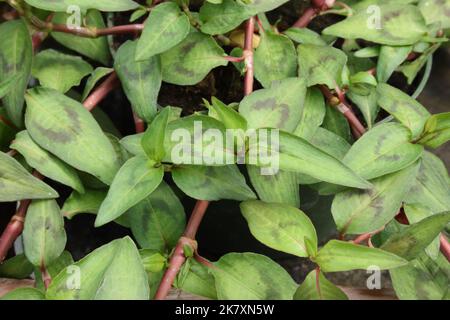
(24, 294)
(102, 5)
(356, 211)
(136, 179)
(321, 64)
(335, 122)
(436, 12)
(411, 241)
(250, 276)
(274, 59)
(221, 18)
(259, 6)
(312, 115)
(298, 155)
(318, 289)
(17, 183)
(196, 279)
(153, 139)
(65, 128)
(330, 143)
(227, 115)
(281, 187)
(8, 84)
(44, 236)
(17, 267)
(437, 130)
(132, 143)
(212, 183)
(389, 60)
(404, 108)
(191, 60)
(412, 69)
(152, 260)
(95, 76)
(46, 163)
(304, 36)
(89, 202)
(111, 272)
(158, 221)
(338, 256)
(281, 227)
(384, 149)
(394, 24)
(95, 48)
(280, 106)
(166, 26)
(422, 279)
(431, 187)
(15, 60)
(64, 260)
(141, 81)
(367, 104)
(416, 213)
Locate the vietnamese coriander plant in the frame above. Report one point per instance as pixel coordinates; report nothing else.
(319, 109)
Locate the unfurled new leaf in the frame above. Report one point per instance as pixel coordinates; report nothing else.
(44, 236)
(66, 129)
(437, 130)
(153, 139)
(280, 227)
(135, 180)
(166, 26)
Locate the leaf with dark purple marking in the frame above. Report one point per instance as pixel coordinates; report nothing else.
(222, 17)
(279, 226)
(65, 128)
(15, 60)
(404, 108)
(359, 211)
(275, 59)
(141, 80)
(321, 64)
(166, 26)
(190, 61)
(212, 183)
(158, 221)
(280, 106)
(390, 24)
(45, 162)
(44, 237)
(251, 276)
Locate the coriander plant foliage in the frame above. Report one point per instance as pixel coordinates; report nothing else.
(318, 110)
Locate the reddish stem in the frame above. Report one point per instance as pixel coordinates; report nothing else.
(139, 124)
(46, 278)
(101, 92)
(88, 32)
(178, 258)
(366, 236)
(234, 59)
(305, 18)
(318, 282)
(445, 247)
(248, 54)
